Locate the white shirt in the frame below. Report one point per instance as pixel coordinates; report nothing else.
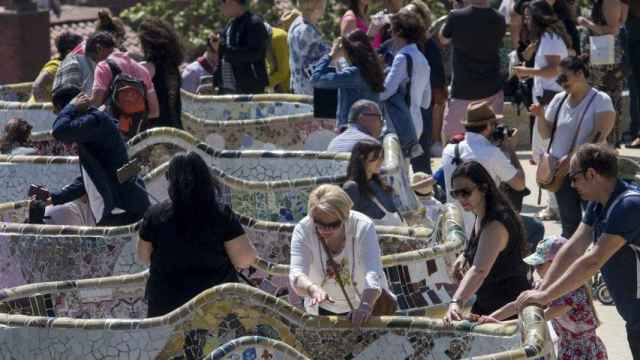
(76, 213)
(477, 147)
(550, 45)
(569, 117)
(361, 257)
(420, 82)
(95, 199)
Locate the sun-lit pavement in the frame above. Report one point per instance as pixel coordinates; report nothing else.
(612, 330)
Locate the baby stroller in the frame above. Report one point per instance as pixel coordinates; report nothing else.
(600, 290)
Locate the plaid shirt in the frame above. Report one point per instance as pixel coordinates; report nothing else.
(75, 71)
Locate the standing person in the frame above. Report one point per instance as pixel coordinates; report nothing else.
(573, 316)
(607, 18)
(102, 152)
(42, 86)
(607, 240)
(306, 45)
(163, 55)
(110, 59)
(476, 34)
(191, 241)
(369, 193)
(633, 57)
(362, 79)
(204, 65)
(406, 86)
(332, 233)
(355, 18)
(583, 115)
(278, 59)
(552, 43)
(242, 47)
(495, 271)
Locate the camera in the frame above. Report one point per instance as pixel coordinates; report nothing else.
(501, 133)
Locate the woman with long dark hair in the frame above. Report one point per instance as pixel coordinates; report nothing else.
(370, 195)
(363, 78)
(493, 256)
(192, 242)
(163, 53)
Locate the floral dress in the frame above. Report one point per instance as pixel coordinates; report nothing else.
(306, 47)
(577, 329)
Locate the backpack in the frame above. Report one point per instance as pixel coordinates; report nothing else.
(127, 98)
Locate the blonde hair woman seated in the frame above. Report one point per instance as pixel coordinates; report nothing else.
(351, 239)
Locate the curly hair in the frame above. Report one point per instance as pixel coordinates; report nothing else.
(408, 25)
(361, 54)
(160, 42)
(112, 25)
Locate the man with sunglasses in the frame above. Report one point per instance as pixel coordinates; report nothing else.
(365, 124)
(610, 226)
(500, 162)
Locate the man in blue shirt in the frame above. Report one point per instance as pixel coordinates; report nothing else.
(611, 224)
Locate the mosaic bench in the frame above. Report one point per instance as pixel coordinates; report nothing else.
(74, 320)
(255, 347)
(417, 260)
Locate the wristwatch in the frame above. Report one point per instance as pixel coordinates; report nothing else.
(454, 301)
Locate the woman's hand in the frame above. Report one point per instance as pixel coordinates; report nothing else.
(522, 72)
(454, 313)
(459, 267)
(537, 110)
(319, 296)
(583, 21)
(360, 315)
(487, 319)
(337, 51)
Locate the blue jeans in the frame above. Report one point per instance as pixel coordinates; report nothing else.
(423, 162)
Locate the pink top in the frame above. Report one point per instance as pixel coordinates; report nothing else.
(79, 49)
(103, 76)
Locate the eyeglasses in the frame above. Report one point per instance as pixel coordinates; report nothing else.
(462, 193)
(378, 115)
(332, 226)
(572, 175)
(562, 79)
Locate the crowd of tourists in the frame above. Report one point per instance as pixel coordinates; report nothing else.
(440, 86)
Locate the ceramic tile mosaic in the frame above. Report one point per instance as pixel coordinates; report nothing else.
(255, 347)
(231, 312)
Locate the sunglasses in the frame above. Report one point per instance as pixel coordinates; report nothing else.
(327, 226)
(462, 193)
(573, 175)
(562, 79)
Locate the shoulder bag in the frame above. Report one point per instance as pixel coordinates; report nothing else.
(385, 305)
(551, 171)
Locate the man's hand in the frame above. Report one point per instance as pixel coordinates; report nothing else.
(81, 102)
(532, 297)
(214, 42)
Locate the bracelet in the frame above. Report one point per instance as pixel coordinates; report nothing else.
(454, 301)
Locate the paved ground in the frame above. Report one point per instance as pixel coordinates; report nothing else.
(612, 330)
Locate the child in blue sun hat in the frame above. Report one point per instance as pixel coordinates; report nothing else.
(572, 316)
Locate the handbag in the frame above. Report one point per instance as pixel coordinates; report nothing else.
(385, 305)
(551, 171)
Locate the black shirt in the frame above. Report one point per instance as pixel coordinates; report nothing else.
(181, 268)
(476, 36)
(167, 82)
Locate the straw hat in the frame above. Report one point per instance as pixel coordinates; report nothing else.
(479, 113)
(422, 183)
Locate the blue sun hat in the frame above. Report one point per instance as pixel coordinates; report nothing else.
(546, 250)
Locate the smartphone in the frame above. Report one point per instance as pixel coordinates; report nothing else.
(40, 192)
(129, 171)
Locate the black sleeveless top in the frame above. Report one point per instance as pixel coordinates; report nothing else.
(509, 263)
(167, 82)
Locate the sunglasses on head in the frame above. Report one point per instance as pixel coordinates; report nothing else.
(461, 193)
(327, 226)
(573, 175)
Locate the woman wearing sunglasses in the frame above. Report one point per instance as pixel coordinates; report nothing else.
(370, 195)
(335, 258)
(491, 266)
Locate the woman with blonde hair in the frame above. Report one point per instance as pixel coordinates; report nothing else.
(335, 258)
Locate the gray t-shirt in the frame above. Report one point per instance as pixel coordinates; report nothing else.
(569, 117)
(348, 139)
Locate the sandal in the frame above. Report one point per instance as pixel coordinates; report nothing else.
(547, 214)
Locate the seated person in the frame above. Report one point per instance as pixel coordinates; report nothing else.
(423, 186)
(351, 240)
(102, 152)
(365, 123)
(74, 213)
(495, 272)
(16, 137)
(370, 195)
(191, 241)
